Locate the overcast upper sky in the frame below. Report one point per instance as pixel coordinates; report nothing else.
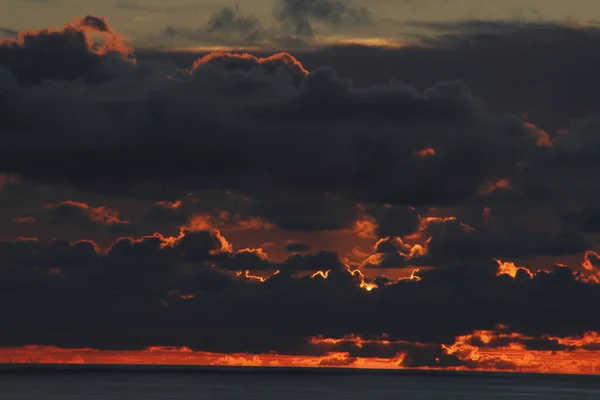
(146, 17)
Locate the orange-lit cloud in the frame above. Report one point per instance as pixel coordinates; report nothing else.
(424, 225)
(426, 152)
(89, 28)
(495, 185)
(511, 269)
(365, 227)
(543, 139)
(225, 221)
(102, 215)
(270, 63)
(591, 260)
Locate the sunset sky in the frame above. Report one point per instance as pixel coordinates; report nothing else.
(375, 184)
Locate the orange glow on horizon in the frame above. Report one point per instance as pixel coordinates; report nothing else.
(318, 43)
(389, 43)
(479, 351)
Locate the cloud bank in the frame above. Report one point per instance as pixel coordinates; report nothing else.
(181, 182)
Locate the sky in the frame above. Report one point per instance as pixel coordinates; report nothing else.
(145, 20)
(375, 184)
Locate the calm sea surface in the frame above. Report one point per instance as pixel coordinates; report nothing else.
(103, 384)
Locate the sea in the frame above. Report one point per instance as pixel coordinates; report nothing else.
(154, 383)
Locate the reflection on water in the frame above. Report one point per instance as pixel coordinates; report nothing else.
(172, 385)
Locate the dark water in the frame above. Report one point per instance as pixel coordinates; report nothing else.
(287, 385)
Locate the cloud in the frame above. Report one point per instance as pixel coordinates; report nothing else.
(189, 246)
(391, 245)
(450, 239)
(248, 260)
(174, 284)
(31, 253)
(296, 15)
(293, 29)
(565, 173)
(202, 149)
(80, 215)
(323, 260)
(225, 26)
(482, 53)
(265, 95)
(228, 21)
(393, 220)
(74, 53)
(305, 211)
(296, 247)
(246, 62)
(394, 259)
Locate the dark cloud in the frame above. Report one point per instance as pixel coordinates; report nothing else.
(227, 26)
(294, 29)
(296, 247)
(552, 80)
(31, 253)
(323, 260)
(80, 216)
(390, 245)
(451, 239)
(305, 212)
(388, 259)
(228, 21)
(394, 220)
(258, 260)
(584, 220)
(188, 247)
(166, 288)
(565, 174)
(266, 95)
(296, 15)
(286, 210)
(248, 260)
(66, 53)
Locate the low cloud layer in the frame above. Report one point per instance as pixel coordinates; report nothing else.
(159, 282)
